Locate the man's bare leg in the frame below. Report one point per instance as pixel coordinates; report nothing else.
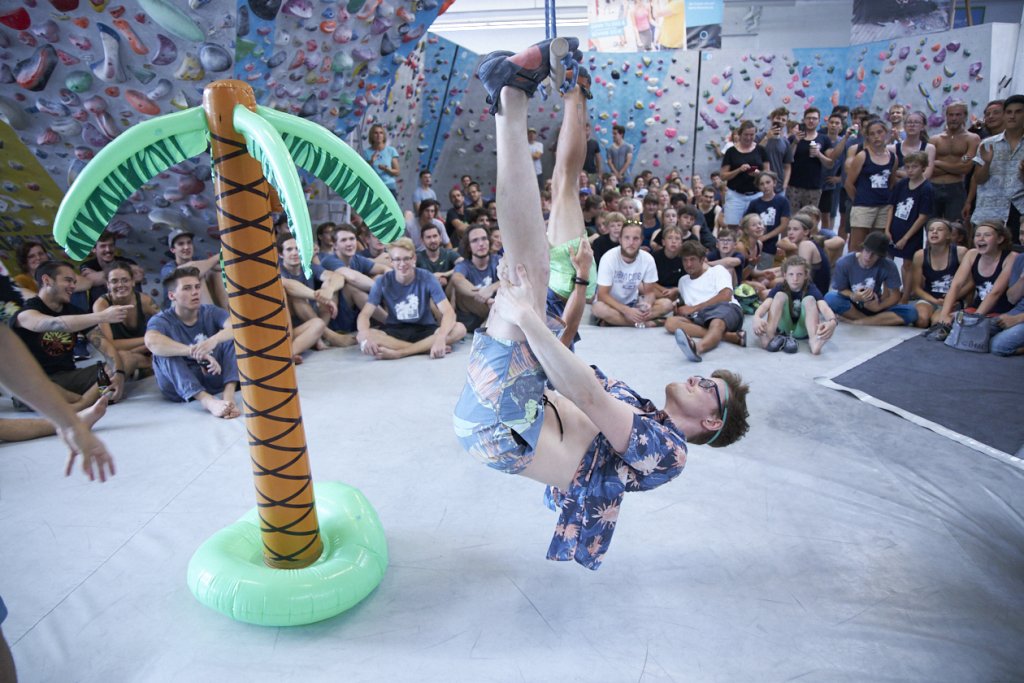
(519, 210)
(393, 349)
(306, 335)
(217, 407)
(566, 222)
(36, 428)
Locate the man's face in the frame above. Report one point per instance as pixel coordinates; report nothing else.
(693, 265)
(456, 199)
(403, 260)
(726, 246)
(290, 253)
(531, 136)
(345, 244)
(955, 118)
(994, 114)
(1013, 117)
(779, 122)
(431, 239)
(696, 401)
(835, 126)
(686, 221)
(479, 243)
(796, 278)
(474, 194)
(466, 180)
(428, 213)
(616, 136)
(867, 259)
(708, 196)
(896, 112)
(426, 180)
(650, 208)
(326, 238)
(183, 248)
(630, 240)
(62, 284)
(811, 120)
(187, 292)
(492, 211)
(105, 251)
(496, 245)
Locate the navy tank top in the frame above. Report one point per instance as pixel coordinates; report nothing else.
(873, 182)
(938, 282)
(983, 285)
(899, 152)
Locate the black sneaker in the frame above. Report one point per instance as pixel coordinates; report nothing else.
(790, 345)
(776, 344)
(496, 71)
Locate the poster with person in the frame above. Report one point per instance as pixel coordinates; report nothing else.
(644, 25)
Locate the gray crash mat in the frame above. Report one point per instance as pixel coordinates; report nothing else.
(974, 398)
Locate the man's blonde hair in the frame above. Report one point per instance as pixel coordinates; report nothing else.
(403, 243)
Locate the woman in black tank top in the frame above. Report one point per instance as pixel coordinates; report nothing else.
(980, 269)
(934, 269)
(916, 140)
(127, 336)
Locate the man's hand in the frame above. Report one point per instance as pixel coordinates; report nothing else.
(213, 367)
(685, 310)
(202, 349)
(95, 458)
(116, 389)
(439, 348)
(115, 314)
(986, 152)
(367, 345)
(635, 315)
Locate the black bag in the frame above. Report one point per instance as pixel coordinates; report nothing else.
(970, 332)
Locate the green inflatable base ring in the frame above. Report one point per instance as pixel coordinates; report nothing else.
(227, 572)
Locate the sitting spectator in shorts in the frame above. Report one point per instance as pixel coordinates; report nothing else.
(866, 286)
(909, 208)
(310, 298)
(793, 308)
(182, 247)
(48, 324)
(1008, 339)
(359, 272)
(933, 270)
(411, 327)
(811, 247)
(193, 348)
(435, 258)
(709, 312)
(626, 284)
(727, 253)
(603, 243)
(475, 280)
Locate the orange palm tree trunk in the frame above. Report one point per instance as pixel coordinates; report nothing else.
(273, 418)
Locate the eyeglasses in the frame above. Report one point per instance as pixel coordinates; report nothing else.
(705, 383)
(402, 259)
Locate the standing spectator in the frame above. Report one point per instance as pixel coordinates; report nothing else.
(537, 154)
(811, 152)
(777, 147)
(832, 181)
(620, 154)
(193, 348)
(955, 149)
(866, 286)
(909, 208)
(997, 176)
(709, 312)
(774, 210)
(626, 295)
(383, 157)
(867, 184)
(592, 160)
(739, 165)
(896, 117)
(992, 120)
(411, 327)
(915, 139)
(424, 190)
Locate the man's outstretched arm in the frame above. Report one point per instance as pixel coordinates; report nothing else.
(22, 376)
(570, 376)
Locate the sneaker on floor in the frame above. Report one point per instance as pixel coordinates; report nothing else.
(776, 344)
(790, 345)
(687, 346)
(496, 70)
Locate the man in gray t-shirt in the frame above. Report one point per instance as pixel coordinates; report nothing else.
(620, 154)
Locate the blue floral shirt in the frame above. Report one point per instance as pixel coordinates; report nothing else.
(589, 509)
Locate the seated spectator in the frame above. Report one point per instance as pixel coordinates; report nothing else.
(592, 208)
(127, 336)
(456, 221)
(1008, 339)
(867, 288)
(104, 254)
(728, 254)
(669, 263)
(793, 307)
(424, 191)
(48, 323)
(649, 219)
(749, 243)
(426, 215)
(909, 208)
(626, 284)
(373, 249)
(411, 327)
(358, 270)
(325, 238)
(811, 248)
(310, 298)
(496, 247)
(475, 280)
(979, 271)
(31, 255)
(182, 247)
(774, 210)
(474, 197)
(193, 348)
(710, 210)
(933, 270)
(435, 258)
(602, 244)
(709, 312)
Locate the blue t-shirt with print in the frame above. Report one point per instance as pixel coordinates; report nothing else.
(479, 278)
(407, 304)
(848, 274)
(771, 213)
(210, 321)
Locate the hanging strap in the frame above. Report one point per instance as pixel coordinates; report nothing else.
(550, 29)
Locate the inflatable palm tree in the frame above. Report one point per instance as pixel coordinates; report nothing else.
(253, 149)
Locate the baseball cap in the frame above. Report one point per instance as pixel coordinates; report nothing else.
(175, 234)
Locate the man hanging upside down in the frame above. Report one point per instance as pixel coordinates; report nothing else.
(605, 439)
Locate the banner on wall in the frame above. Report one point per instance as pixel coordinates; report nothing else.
(649, 25)
(704, 24)
(886, 19)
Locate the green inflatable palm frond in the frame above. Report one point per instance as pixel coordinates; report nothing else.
(266, 147)
(317, 150)
(139, 154)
